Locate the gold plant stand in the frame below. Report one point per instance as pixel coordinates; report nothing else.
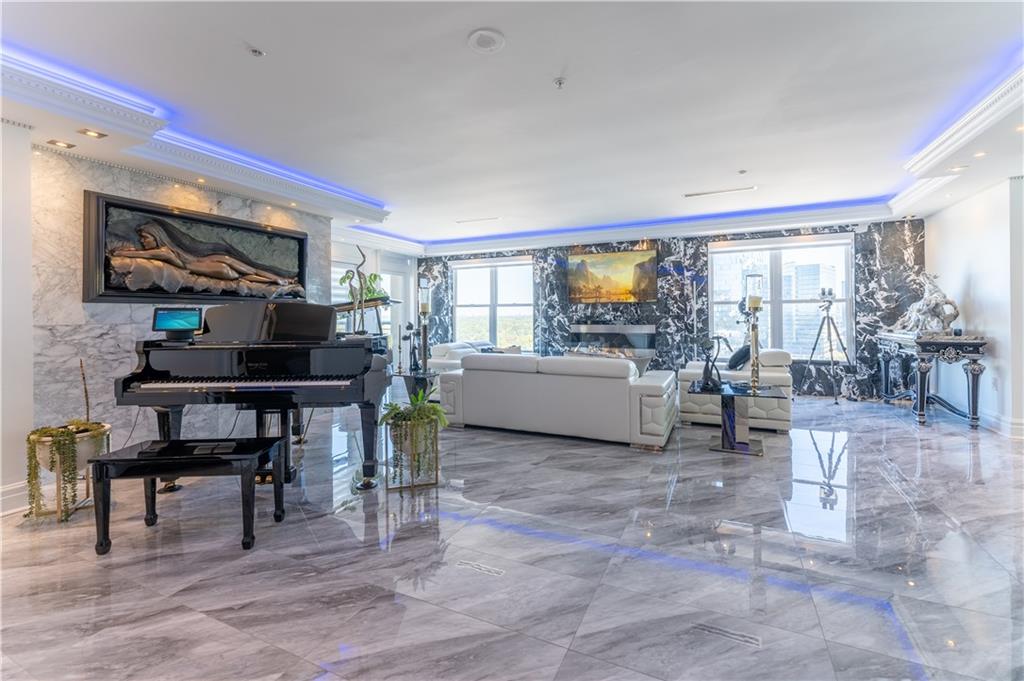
(415, 458)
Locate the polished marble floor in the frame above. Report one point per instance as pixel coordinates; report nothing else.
(860, 547)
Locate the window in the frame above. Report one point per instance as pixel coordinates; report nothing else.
(795, 271)
(494, 302)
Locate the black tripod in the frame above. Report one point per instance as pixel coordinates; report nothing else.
(828, 325)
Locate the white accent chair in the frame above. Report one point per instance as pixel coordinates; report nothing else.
(769, 414)
(597, 398)
(448, 356)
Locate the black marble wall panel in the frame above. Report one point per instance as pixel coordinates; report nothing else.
(888, 262)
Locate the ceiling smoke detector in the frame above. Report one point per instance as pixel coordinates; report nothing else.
(486, 41)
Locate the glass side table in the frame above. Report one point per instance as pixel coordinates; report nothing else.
(735, 437)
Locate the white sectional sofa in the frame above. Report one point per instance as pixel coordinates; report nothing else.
(598, 398)
(765, 413)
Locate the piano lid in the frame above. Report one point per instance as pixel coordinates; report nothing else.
(269, 321)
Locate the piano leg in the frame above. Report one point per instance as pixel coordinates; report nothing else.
(284, 429)
(168, 423)
(368, 421)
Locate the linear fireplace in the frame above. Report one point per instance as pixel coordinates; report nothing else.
(629, 341)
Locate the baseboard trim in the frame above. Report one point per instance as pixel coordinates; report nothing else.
(13, 498)
(1008, 427)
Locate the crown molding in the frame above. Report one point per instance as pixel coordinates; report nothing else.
(37, 85)
(209, 161)
(384, 242)
(868, 210)
(917, 191)
(997, 105)
(18, 124)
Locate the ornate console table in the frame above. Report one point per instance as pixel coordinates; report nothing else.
(927, 349)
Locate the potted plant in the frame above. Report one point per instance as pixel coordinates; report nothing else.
(414, 429)
(64, 450)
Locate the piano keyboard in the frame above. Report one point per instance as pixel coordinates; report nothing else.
(235, 384)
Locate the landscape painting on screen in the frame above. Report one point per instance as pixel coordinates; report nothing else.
(623, 277)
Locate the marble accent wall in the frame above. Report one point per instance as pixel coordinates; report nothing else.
(888, 262)
(103, 335)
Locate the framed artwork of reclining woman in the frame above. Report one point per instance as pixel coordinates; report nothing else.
(137, 251)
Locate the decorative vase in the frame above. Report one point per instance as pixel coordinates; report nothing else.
(414, 459)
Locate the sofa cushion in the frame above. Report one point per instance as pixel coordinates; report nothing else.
(480, 361)
(600, 367)
(442, 350)
(775, 358)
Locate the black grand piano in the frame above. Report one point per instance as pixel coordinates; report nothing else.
(272, 358)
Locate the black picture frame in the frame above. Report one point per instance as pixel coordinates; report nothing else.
(95, 259)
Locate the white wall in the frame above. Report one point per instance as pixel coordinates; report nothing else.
(970, 246)
(15, 313)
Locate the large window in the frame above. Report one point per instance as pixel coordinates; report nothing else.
(795, 271)
(494, 302)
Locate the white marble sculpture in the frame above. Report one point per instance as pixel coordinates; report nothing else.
(933, 314)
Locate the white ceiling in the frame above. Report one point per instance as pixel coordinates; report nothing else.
(819, 102)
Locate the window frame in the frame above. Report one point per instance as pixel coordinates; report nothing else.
(775, 247)
(493, 265)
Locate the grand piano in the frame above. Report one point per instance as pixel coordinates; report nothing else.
(272, 358)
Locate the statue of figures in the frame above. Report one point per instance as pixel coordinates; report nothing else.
(934, 313)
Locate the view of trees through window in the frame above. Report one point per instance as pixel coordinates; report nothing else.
(495, 303)
(794, 278)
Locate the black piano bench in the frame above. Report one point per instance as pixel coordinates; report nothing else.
(182, 458)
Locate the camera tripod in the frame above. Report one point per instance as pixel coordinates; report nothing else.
(828, 325)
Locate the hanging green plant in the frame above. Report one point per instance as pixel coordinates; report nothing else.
(62, 454)
(414, 435)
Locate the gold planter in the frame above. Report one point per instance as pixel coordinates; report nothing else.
(414, 460)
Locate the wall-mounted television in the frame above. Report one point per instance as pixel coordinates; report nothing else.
(620, 277)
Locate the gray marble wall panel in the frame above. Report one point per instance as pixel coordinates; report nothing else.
(888, 262)
(104, 334)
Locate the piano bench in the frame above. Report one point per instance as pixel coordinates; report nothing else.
(181, 458)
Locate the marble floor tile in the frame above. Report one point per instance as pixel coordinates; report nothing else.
(407, 639)
(670, 641)
(921, 632)
(554, 558)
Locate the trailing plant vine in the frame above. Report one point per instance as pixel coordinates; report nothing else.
(63, 455)
(414, 430)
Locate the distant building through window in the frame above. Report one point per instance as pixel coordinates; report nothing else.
(795, 271)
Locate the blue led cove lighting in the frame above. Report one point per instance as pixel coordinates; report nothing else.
(652, 222)
(246, 161)
(23, 60)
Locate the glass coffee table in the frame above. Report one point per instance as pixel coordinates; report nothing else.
(735, 437)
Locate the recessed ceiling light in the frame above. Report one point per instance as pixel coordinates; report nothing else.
(1020, 128)
(37, 153)
(269, 207)
(62, 144)
(713, 192)
(980, 154)
(200, 180)
(357, 220)
(293, 204)
(95, 134)
(486, 41)
(463, 222)
(957, 169)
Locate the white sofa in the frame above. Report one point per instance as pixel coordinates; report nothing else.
(602, 399)
(764, 413)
